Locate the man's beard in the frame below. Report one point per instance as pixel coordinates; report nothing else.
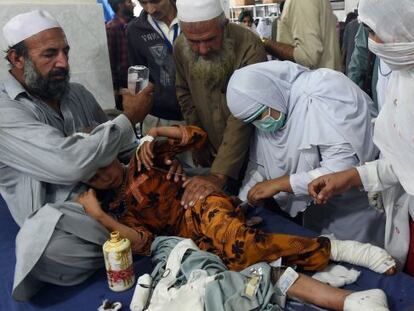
(45, 87)
(214, 69)
(128, 13)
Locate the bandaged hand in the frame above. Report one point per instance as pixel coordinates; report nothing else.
(91, 204)
(144, 153)
(364, 255)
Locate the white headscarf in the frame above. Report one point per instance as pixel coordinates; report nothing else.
(322, 107)
(393, 22)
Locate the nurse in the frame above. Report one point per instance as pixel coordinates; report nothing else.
(391, 38)
(308, 123)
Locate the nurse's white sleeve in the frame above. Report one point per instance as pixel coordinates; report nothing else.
(377, 175)
(335, 158)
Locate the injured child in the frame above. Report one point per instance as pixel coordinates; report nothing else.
(145, 203)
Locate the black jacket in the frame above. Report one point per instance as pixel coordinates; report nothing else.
(147, 47)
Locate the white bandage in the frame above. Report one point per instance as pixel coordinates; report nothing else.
(361, 254)
(337, 275)
(368, 300)
(146, 138)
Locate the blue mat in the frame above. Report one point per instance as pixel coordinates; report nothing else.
(88, 296)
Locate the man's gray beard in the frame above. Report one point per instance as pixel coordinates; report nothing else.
(214, 69)
(45, 88)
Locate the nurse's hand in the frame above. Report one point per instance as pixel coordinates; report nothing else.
(268, 188)
(323, 188)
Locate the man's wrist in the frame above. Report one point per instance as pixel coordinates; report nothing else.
(220, 178)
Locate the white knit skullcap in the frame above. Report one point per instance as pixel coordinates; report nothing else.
(198, 10)
(28, 24)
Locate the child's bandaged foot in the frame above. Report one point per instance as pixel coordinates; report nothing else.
(368, 300)
(362, 254)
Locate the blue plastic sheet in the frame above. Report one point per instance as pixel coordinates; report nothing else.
(89, 295)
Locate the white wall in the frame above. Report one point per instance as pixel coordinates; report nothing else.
(351, 5)
(83, 23)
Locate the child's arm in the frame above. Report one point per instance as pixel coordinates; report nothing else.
(180, 139)
(145, 154)
(172, 132)
(139, 240)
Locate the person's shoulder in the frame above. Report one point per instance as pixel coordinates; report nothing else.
(327, 79)
(292, 6)
(114, 24)
(180, 40)
(139, 22)
(241, 34)
(179, 44)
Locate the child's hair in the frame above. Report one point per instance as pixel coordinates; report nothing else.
(105, 197)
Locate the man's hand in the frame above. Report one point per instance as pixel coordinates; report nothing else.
(136, 107)
(199, 187)
(90, 204)
(323, 188)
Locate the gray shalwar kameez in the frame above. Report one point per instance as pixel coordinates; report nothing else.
(42, 159)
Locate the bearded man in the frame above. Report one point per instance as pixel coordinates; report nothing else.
(206, 57)
(43, 157)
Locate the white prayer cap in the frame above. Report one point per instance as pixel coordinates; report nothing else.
(28, 24)
(198, 10)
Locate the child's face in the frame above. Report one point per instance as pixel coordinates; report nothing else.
(108, 177)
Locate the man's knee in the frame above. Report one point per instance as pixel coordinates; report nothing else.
(68, 260)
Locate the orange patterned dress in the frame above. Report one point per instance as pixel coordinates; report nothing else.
(214, 224)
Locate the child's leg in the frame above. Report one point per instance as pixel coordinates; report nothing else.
(240, 246)
(320, 294)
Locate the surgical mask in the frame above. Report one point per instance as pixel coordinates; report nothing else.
(398, 56)
(269, 124)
